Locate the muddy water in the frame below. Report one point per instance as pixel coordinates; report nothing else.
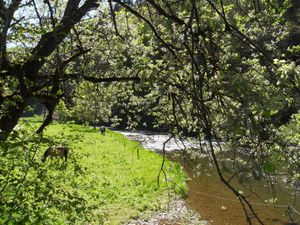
(215, 202)
(211, 198)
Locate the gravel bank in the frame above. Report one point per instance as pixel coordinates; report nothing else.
(176, 214)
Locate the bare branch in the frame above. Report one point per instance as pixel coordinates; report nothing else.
(110, 79)
(161, 11)
(77, 37)
(99, 79)
(169, 46)
(51, 13)
(161, 170)
(73, 57)
(113, 16)
(37, 13)
(16, 22)
(241, 197)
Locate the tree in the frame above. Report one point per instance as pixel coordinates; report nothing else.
(225, 75)
(91, 104)
(40, 73)
(221, 70)
(123, 105)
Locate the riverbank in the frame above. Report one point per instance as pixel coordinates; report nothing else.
(210, 197)
(107, 179)
(177, 213)
(155, 142)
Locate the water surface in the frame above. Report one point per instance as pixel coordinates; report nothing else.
(211, 198)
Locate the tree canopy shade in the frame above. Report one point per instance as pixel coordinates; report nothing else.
(222, 70)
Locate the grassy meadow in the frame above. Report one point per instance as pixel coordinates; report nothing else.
(107, 179)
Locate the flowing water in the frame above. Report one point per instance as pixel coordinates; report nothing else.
(212, 199)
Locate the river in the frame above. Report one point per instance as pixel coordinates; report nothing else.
(211, 198)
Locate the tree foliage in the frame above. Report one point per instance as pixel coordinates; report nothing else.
(44, 29)
(224, 71)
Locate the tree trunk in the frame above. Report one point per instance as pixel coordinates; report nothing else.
(11, 118)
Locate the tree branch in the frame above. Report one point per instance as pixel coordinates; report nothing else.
(49, 41)
(162, 12)
(37, 13)
(110, 79)
(98, 79)
(16, 22)
(169, 46)
(235, 31)
(73, 57)
(113, 16)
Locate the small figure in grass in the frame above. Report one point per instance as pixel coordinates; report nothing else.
(56, 151)
(102, 130)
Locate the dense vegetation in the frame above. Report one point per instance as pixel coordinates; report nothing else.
(224, 70)
(107, 178)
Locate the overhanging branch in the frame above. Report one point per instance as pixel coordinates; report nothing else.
(99, 79)
(169, 46)
(161, 11)
(73, 57)
(49, 41)
(110, 79)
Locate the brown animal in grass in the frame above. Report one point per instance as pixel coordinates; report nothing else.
(56, 151)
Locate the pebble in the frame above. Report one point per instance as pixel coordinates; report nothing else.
(177, 214)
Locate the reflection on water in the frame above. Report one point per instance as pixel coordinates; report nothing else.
(212, 199)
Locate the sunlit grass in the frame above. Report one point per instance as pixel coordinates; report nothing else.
(119, 177)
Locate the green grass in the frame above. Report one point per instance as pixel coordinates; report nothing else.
(116, 176)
